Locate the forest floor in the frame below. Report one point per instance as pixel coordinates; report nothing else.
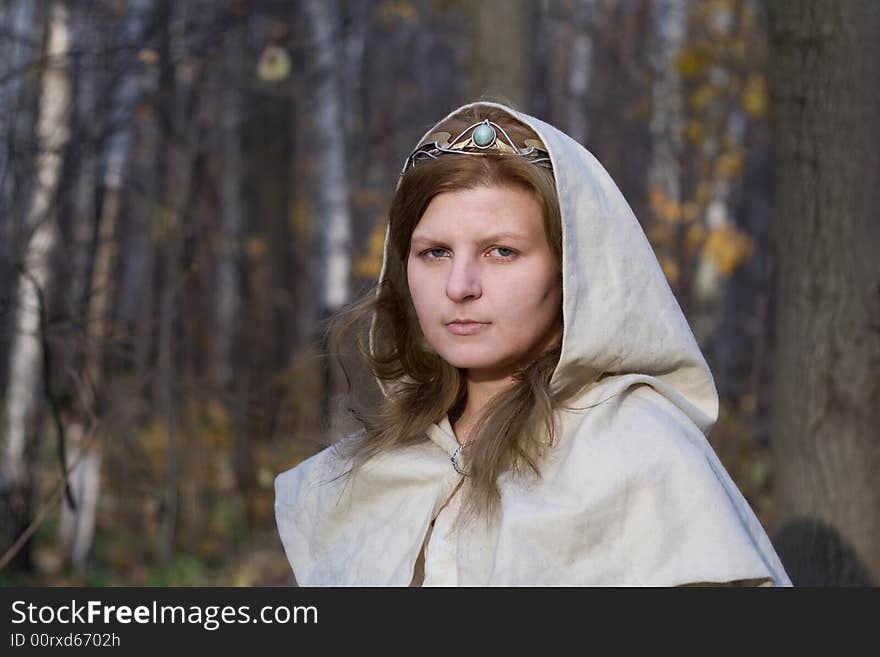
(258, 562)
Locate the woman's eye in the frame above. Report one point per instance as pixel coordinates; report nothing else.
(437, 252)
(509, 252)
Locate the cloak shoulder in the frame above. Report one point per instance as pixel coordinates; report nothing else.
(653, 504)
(337, 530)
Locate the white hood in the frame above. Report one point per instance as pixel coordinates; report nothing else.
(632, 495)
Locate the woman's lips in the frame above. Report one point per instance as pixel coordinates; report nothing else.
(466, 328)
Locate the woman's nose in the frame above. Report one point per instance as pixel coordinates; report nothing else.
(464, 280)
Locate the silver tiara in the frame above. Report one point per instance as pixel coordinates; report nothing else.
(479, 139)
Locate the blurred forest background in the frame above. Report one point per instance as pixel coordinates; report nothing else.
(188, 188)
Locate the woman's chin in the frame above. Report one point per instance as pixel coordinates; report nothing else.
(477, 367)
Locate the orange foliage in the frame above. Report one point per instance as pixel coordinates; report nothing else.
(754, 95)
(664, 207)
(728, 247)
(670, 268)
(391, 10)
(730, 164)
(300, 218)
(696, 234)
(370, 264)
(255, 247)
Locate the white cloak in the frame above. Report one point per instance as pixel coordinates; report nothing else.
(632, 494)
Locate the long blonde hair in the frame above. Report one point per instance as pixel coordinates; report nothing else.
(517, 425)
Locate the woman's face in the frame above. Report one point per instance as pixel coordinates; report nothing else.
(482, 254)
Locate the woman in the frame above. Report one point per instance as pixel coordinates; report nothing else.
(543, 403)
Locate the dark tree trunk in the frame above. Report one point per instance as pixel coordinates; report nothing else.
(825, 63)
(501, 58)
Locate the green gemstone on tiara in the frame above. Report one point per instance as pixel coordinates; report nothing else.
(484, 135)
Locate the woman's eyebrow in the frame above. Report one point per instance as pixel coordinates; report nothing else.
(427, 239)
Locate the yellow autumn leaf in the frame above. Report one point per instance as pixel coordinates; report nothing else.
(163, 222)
(703, 95)
(300, 217)
(365, 268)
(748, 404)
(695, 235)
(754, 96)
(255, 247)
(730, 164)
(656, 197)
(143, 112)
(148, 56)
(377, 239)
(670, 268)
(403, 10)
(664, 207)
(738, 47)
(704, 193)
(693, 60)
(728, 247)
(694, 131)
(661, 233)
(274, 64)
(365, 198)
(153, 441)
(690, 211)
(209, 547)
(369, 265)
(216, 425)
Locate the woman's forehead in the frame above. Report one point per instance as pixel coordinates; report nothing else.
(493, 236)
(484, 212)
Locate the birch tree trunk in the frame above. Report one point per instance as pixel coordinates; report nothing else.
(334, 220)
(825, 61)
(77, 527)
(17, 121)
(709, 280)
(53, 131)
(667, 107)
(666, 125)
(581, 70)
(332, 214)
(708, 284)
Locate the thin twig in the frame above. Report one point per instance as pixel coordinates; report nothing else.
(60, 485)
(47, 386)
